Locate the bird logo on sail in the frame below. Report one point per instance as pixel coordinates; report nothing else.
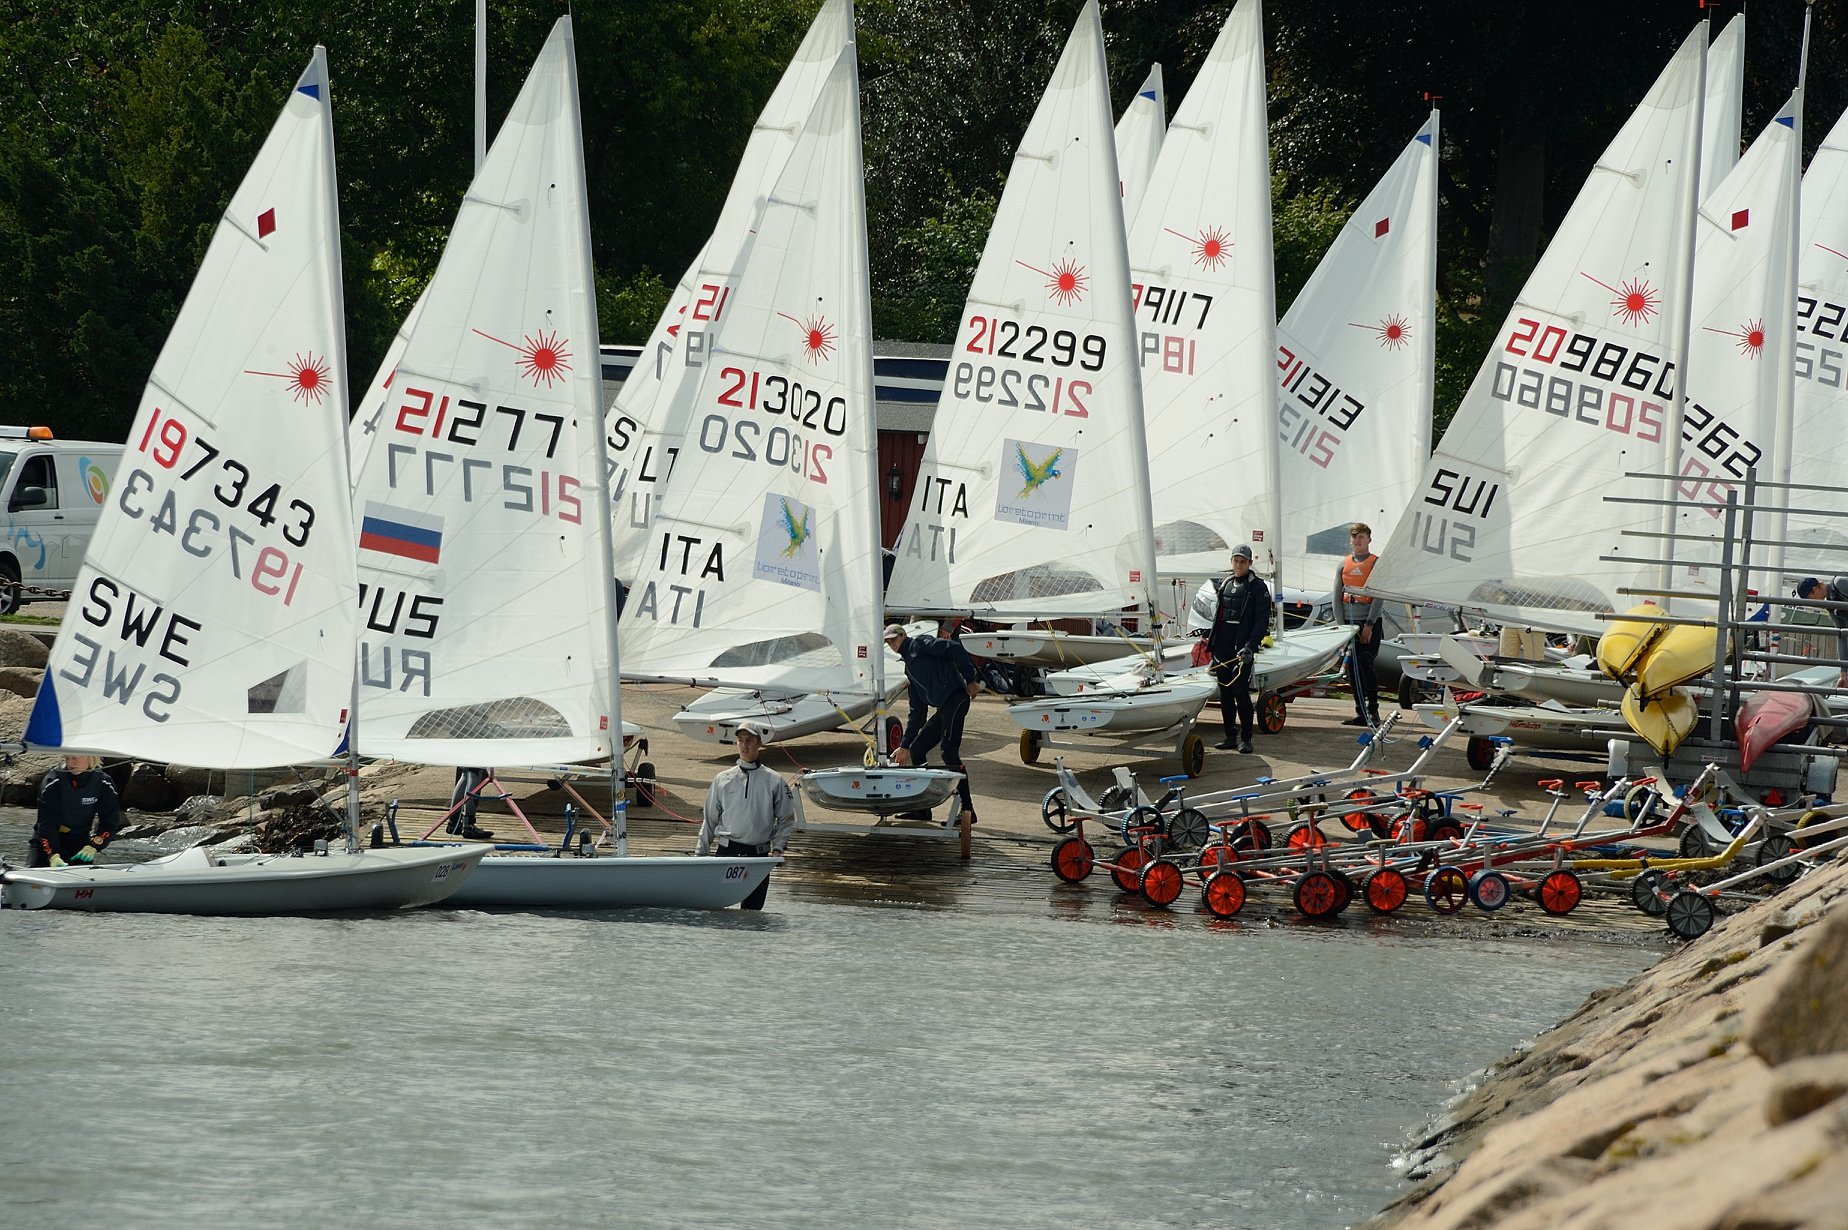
(788, 552)
(1045, 474)
(1036, 475)
(798, 531)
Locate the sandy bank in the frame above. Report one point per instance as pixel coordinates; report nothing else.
(1708, 1092)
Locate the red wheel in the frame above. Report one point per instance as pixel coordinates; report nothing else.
(1072, 859)
(1346, 886)
(1408, 829)
(1224, 894)
(1161, 882)
(895, 733)
(1317, 894)
(1304, 837)
(1447, 889)
(1215, 858)
(1271, 713)
(1386, 890)
(1358, 820)
(1444, 830)
(1479, 752)
(1127, 871)
(1560, 892)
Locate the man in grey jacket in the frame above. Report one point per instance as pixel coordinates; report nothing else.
(750, 809)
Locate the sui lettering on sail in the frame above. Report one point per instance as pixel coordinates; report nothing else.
(1456, 506)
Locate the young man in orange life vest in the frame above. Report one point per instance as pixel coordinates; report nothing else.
(1352, 608)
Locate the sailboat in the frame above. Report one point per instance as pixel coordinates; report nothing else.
(213, 621)
(765, 565)
(647, 427)
(1139, 131)
(1033, 495)
(1205, 321)
(488, 620)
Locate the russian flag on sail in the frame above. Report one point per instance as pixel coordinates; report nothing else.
(401, 532)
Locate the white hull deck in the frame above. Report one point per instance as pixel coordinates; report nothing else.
(1535, 726)
(1298, 655)
(198, 881)
(1154, 707)
(713, 717)
(537, 881)
(1053, 649)
(883, 790)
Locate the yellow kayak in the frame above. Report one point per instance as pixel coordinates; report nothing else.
(1664, 721)
(1626, 639)
(1681, 653)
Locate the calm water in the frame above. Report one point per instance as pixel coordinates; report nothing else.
(1023, 1060)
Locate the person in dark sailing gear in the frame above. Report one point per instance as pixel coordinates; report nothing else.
(941, 682)
(750, 810)
(70, 801)
(1359, 609)
(1241, 618)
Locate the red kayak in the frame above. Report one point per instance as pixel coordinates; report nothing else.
(1766, 717)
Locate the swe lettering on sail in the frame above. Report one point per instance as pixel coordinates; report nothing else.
(145, 634)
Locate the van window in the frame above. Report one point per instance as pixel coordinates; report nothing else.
(36, 472)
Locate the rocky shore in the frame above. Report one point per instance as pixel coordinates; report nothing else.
(1708, 1093)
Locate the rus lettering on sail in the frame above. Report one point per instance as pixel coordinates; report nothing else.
(387, 614)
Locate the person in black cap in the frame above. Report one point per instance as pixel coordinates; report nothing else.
(1241, 617)
(1809, 589)
(941, 681)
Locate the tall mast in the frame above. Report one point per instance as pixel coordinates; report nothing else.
(1684, 310)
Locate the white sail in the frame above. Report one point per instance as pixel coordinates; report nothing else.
(1720, 122)
(1509, 517)
(372, 407)
(1138, 139)
(644, 427)
(1200, 254)
(1739, 382)
(483, 596)
(1032, 496)
(763, 564)
(1355, 362)
(1820, 419)
(212, 623)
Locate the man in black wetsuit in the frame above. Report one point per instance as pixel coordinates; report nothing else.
(1241, 617)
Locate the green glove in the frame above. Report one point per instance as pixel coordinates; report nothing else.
(86, 855)
(57, 860)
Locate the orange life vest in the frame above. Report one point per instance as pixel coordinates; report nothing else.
(1354, 574)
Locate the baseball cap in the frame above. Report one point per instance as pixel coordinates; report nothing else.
(893, 630)
(1242, 549)
(1803, 586)
(751, 728)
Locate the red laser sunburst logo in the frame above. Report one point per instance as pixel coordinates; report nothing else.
(307, 377)
(1066, 281)
(1212, 247)
(543, 357)
(1636, 301)
(1391, 331)
(1750, 335)
(818, 337)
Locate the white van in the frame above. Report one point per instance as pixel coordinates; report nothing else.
(52, 492)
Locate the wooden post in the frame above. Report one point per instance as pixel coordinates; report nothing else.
(965, 823)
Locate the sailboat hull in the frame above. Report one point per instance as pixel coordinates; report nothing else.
(713, 717)
(1053, 648)
(1296, 656)
(520, 881)
(197, 881)
(882, 791)
(1152, 708)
